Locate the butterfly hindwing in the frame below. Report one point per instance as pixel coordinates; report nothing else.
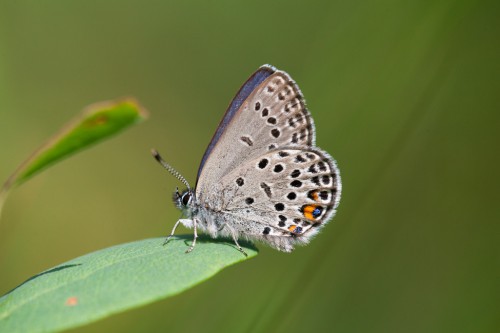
(292, 190)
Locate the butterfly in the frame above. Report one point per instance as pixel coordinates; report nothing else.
(262, 177)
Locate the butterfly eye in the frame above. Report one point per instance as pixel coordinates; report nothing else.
(186, 198)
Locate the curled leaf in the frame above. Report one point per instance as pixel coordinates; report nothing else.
(97, 122)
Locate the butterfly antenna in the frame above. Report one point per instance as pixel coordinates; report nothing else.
(169, 168)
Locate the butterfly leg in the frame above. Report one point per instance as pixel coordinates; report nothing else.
(195, 223)
(235, 239)
(172, 233)
(185, 222)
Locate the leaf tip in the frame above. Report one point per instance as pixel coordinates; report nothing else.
(128, 101)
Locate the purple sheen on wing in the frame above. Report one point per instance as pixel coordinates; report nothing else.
(253, 82)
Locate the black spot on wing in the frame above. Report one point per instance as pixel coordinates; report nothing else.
(279, 207)
(263, 163)
(247, 140)
(266, 189)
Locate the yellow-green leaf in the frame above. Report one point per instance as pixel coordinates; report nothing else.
(95, 123)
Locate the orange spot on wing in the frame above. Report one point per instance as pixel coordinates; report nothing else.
(313, 195)
(308, 211)
(292, 228)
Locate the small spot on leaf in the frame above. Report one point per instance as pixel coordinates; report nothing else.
(71, 301)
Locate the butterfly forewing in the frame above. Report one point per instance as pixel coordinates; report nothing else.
(273, 116)
(248, 88)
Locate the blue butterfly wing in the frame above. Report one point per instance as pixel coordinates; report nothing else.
(248, 87)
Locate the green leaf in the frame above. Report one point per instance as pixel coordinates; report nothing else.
(115, 279)
(95, 123)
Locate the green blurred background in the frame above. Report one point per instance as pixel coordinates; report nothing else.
(405, 95)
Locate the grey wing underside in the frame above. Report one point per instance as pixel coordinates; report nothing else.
(261, 202)
(276, 200)
(274, 115)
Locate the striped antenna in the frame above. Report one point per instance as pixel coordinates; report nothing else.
(169, 168)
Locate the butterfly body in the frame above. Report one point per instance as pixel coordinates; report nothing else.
(262, 177)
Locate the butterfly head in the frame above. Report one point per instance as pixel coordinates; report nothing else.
(183, 199)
